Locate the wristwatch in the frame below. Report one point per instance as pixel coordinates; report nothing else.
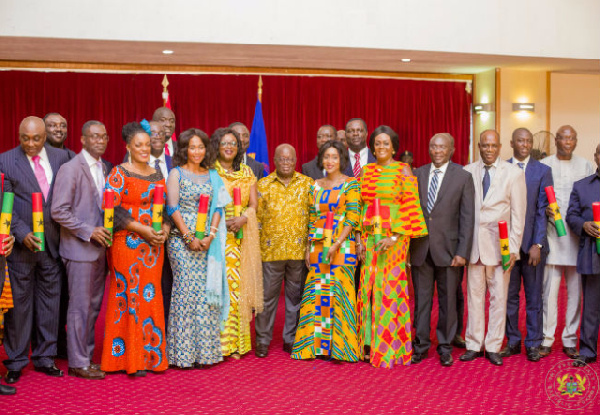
(394, 238)
(540, 246)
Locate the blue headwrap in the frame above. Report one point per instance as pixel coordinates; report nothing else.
(146, 126)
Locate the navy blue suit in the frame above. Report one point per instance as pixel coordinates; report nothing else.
(585, 192)
(35, 276)
(537, 177)
(348, 172)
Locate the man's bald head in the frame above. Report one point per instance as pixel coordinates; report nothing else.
(32, 135)
(285, 160)
(565, 129)
(167, 118)
(566, 142)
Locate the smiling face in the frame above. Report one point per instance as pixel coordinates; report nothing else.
(384, 150)
(440, 150)
(285, 161)
(489, 146)
(196, 150)
(158, 137)
(56, 130)
(521, 143)
(95, 140)
(228, 148)
(331, 160)
(32, 136)
(167, 119)
(139, 148)
(356, 135)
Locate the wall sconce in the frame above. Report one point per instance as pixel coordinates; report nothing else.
(527, 106)
(479, 108)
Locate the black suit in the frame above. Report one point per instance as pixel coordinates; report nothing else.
(311, 170)
(35, 276)
(450, 225)
(257, 168)
(348, 172)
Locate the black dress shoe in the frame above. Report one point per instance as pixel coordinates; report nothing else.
(262, 350)
(7, 390)
(418, 357)
(545, 351)
(511, 350)
(49, 370)
(446, 359)
(581, 361)
(459, 342)
(533, 354)
(287, 347)
(571, 352)
(139, 374)
(13, 376)
(470, 355)
(494, 358)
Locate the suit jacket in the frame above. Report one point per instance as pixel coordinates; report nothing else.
(313, 171)
(506, 200)
(257, 168)
(20, 179)
(585, 192)
(537, 177)
(450, 222)
(78, 210)
(370, 159)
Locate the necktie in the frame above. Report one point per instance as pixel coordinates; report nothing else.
(100, 179)
(521, 165)
(40, 176)
(432, 190)
(357, 167)
(157, 165)
(167, 151)
(486, 180)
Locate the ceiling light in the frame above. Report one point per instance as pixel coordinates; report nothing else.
(168, 52)
(405, 60)
(527, 106)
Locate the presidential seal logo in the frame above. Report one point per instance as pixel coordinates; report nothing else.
(571, 387)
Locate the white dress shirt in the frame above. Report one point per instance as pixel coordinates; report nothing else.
(161, 162)
(492, 170)
(364, 157)
(97, 170)
(45, 163)
(440, 176)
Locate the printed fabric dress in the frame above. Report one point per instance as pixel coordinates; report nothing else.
(134, 337)
(194, 332)
(383, 310)
(327, 325)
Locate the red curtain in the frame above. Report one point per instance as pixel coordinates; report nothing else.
(294, 106)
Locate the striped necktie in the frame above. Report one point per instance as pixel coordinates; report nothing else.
(431, 195)
(357, 167)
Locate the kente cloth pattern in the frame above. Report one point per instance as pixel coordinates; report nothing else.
(134, 337)
(6, 300)
(383, 309)
(327, 324)
(235, 337)
(194, 332)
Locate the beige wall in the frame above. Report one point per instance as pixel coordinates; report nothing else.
(575, 100)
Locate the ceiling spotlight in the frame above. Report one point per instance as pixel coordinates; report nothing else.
(405, 60)
(168, 52)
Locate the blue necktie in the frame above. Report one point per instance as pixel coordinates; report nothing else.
(432, 189)
(521, 165)
(486, 180)
(157, 165)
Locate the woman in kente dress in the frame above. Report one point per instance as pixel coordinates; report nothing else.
(134, 339)
(200, 298)
(327, 326)
(384, 327)
(242, 256)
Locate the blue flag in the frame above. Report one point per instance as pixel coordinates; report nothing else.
(258, 139)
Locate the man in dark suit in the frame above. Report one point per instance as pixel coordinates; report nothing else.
(35, 275)
(166, 118)
(257, 168)
(83, 242)
(358, 152)
(446, 192)
(534, 249)
(581, 221)
(324, 134)
(56, 132)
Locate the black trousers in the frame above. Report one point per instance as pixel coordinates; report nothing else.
(590, 317)
(425, 277)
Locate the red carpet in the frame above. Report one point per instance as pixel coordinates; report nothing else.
(278, 385)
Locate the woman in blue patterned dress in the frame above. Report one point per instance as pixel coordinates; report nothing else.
(200, 298)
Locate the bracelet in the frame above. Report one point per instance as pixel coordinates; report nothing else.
(213, 234)
(340, 241)
(214, 228)
(188, 237)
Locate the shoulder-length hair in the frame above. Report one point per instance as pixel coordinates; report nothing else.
(183, 144)
(215, 144)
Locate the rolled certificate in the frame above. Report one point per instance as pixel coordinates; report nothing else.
(328, 233)
(6, 218)
(237, 209)
(157, 207)
(201, 216)
(38, 218)
(504, 245)
(558, 220)
(376, 220)
(595, 211)
(109, 212)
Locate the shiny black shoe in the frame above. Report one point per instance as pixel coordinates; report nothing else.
(459, 342)
(418, 358)
(544, 351)
(533, 354)
(470, 355)
(49, 370)
(571, 352)
(287, 347)
(494, 358)
(262, 350)
(446, 359)
(581, 361)
(7, 390)
(13, 376)
(139, 374)
(511, 350)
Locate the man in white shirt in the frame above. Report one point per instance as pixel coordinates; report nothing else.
(567, 168)
(358, 152)
(158, 157)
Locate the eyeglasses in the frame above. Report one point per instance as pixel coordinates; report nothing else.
(98, 137)
(161, 134)
(285, 161)
(226, 144)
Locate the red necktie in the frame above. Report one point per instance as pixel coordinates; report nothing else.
(167, 152)
(357, 168)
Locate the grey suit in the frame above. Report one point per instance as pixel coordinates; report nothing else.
(450, 225)
(311, 170)
(78, 209)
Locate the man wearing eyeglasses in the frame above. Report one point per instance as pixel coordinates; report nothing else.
(283, 202)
